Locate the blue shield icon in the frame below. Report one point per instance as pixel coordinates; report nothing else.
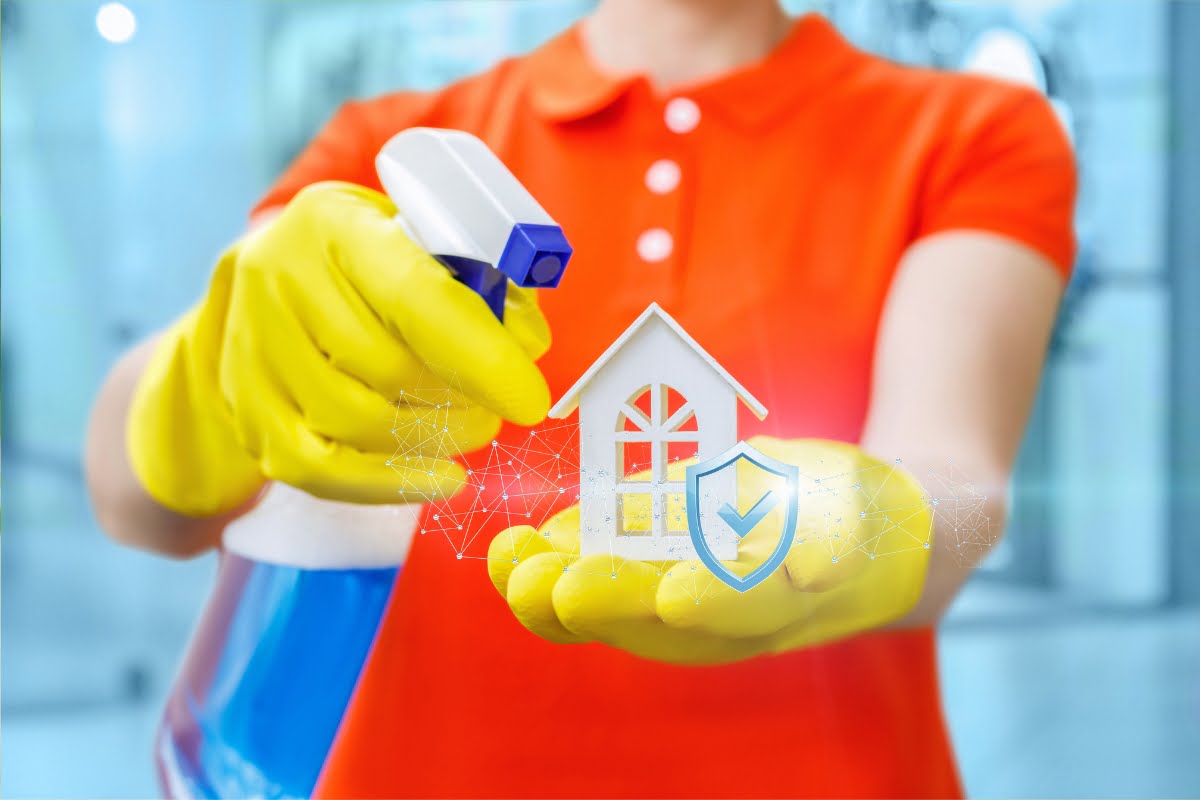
(742, 524)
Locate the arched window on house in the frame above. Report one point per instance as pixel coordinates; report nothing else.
(656, 431)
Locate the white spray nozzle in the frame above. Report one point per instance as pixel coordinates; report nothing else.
(461, 204)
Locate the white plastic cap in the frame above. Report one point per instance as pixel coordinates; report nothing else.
(454, 195)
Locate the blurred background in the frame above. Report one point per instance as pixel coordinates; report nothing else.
(136, 137)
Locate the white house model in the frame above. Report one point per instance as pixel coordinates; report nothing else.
(653, 399)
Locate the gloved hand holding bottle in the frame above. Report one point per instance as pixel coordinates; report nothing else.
(858, 562)
(314, 327)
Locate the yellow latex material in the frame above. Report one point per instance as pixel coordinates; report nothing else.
(680, 612)
(321, 332)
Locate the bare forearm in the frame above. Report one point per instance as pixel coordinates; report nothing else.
(968, 522)
(123, 508)
(961, 346)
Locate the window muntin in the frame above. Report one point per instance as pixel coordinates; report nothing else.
(656, 431)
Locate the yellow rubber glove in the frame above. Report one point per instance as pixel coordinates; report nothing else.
(314, 326)
(857, 562)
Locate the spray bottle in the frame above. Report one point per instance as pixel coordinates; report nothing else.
(302, 583)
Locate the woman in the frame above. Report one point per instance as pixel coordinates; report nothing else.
(876, 251)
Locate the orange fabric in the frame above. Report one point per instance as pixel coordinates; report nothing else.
(805, 179)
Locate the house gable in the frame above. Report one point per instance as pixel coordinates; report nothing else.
(570, 400)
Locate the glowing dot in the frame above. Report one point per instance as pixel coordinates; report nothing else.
(504, 497)
(389, 463)
(936, 501)
(460, 527)
(614, 575)
(494, 443)
(422, 530)
(835, 559)
(514, 560)
(459, 556)
(470, 472)
(862, 515)
(926, 545)
(116, 23)
(437, 516)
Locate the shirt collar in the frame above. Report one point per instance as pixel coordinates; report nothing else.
(566, 85)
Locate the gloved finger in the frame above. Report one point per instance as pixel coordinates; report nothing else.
(452, 329)
(448, 326)
(426, 480)
(524, 319)
(530, 593)
(561, 531)
(445, 432)
(291, 453)
(333, 404)
(507, 550)
(354, 339)
(603, 596)
(691, 598)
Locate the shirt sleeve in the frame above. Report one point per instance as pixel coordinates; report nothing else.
(345, 148)
(1007, 168)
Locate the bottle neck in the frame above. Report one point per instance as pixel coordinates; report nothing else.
(292, 528)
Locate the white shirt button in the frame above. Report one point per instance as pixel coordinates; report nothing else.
(655, 245)
(663, 176)
(682, 115)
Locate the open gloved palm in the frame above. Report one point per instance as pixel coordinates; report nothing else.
(857, 562)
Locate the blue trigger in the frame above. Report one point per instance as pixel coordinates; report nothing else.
(534, 256)
(480, 277)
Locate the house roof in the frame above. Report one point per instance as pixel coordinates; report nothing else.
(568, 402)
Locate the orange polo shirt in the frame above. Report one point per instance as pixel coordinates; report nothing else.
(766, 210)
